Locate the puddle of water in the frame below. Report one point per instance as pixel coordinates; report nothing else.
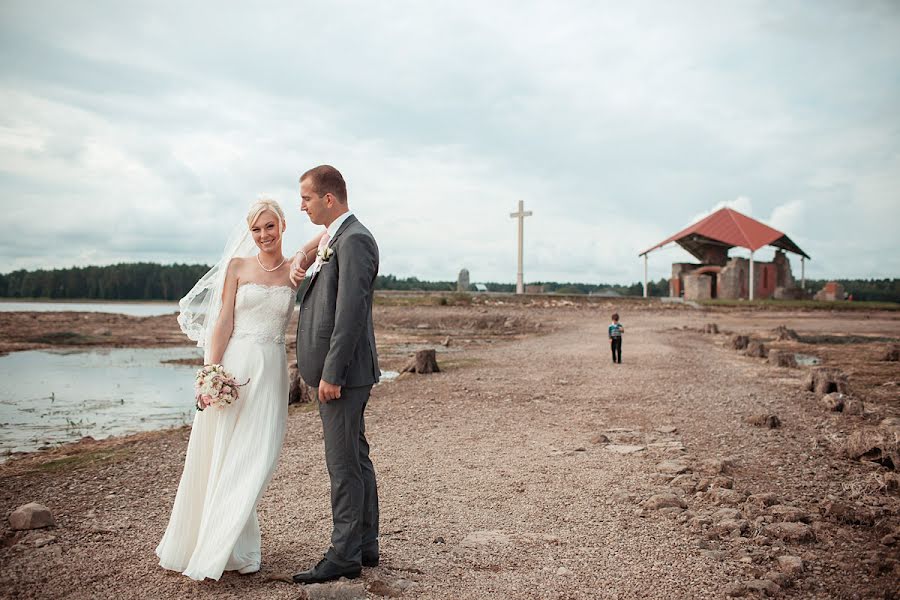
(137, 309)
(54, 397)
(389, 375)
(807, 360)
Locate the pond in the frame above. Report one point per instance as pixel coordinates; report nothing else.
(54, 397)
(134, 309)
(51, 397)
(807, 360)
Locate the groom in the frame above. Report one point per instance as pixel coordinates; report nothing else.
(336, 356)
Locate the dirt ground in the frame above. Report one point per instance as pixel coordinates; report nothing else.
(530, 467)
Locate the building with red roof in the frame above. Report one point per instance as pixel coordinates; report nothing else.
(717, 275)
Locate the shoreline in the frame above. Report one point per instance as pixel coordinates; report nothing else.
(84, 301)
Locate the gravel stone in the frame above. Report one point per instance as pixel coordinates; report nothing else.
(673, 467)
(782, 512)
(766, 586)
(31, 516)
(793, 532)
(659, 501)
(792, 565)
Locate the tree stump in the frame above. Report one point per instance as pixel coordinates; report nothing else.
(782, 358)
(756, 349)
(424, 362)
(299, 391)
(833, 402)
(740, 342)
(782, 333)
(765, 420)
(826, 380)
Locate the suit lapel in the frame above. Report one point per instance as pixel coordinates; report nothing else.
(347, 222)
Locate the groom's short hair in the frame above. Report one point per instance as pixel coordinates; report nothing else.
(327, 180)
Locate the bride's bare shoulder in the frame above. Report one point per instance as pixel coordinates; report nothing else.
(238, 263)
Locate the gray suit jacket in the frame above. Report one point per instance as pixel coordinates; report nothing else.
(335, 335)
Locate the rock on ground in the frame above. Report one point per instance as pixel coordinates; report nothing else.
(792, 565)
(31, 516)
(765, 420)
(339, 590)
(659, 501)
(765, 586)
(792, 532)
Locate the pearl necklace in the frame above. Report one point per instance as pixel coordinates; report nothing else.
(275, 268)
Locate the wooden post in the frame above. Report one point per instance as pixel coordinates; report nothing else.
(521, 214)
(802, 272)
(646, 290)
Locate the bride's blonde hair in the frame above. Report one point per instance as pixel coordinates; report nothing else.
(264, 204)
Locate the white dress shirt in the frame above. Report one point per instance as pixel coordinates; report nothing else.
(332, 231)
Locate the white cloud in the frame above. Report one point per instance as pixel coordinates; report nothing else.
(788, 217)
(140, 132)
(742, 204)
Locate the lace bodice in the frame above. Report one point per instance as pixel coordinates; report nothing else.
(262, 312)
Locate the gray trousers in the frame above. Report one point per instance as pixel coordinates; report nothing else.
(354, 494)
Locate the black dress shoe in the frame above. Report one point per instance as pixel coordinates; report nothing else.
(369, 560)
(326, 571)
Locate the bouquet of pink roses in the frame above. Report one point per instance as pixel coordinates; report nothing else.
(215, 387)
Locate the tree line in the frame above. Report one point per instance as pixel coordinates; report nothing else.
(129, 281)
(151, 281)
(656, 288)
(863, 290)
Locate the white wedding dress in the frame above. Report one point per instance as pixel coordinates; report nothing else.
(233, 451)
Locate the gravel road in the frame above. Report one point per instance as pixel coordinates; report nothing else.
(528, 468)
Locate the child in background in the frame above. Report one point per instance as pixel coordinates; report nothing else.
(615, 338)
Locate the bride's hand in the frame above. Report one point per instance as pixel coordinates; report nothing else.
(297, 271)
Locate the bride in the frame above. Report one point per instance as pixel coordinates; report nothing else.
(238, 313)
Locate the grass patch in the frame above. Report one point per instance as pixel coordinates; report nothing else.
(802, 304)
(84, 459)
(400, 299)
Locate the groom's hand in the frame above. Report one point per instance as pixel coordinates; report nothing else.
(328, 391)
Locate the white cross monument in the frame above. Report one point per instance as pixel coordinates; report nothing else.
(520, 279)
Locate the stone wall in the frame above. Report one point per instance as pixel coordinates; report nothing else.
(697, 287)
(768, 276)
(676, 284)
(784, 278)
(733, 281)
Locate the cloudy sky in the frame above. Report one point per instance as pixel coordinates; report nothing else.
(142, 131)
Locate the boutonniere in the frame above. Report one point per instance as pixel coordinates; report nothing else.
(325, 254)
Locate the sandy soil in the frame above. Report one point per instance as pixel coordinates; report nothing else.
(496, 481)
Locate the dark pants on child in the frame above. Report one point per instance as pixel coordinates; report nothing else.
(616, 345)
